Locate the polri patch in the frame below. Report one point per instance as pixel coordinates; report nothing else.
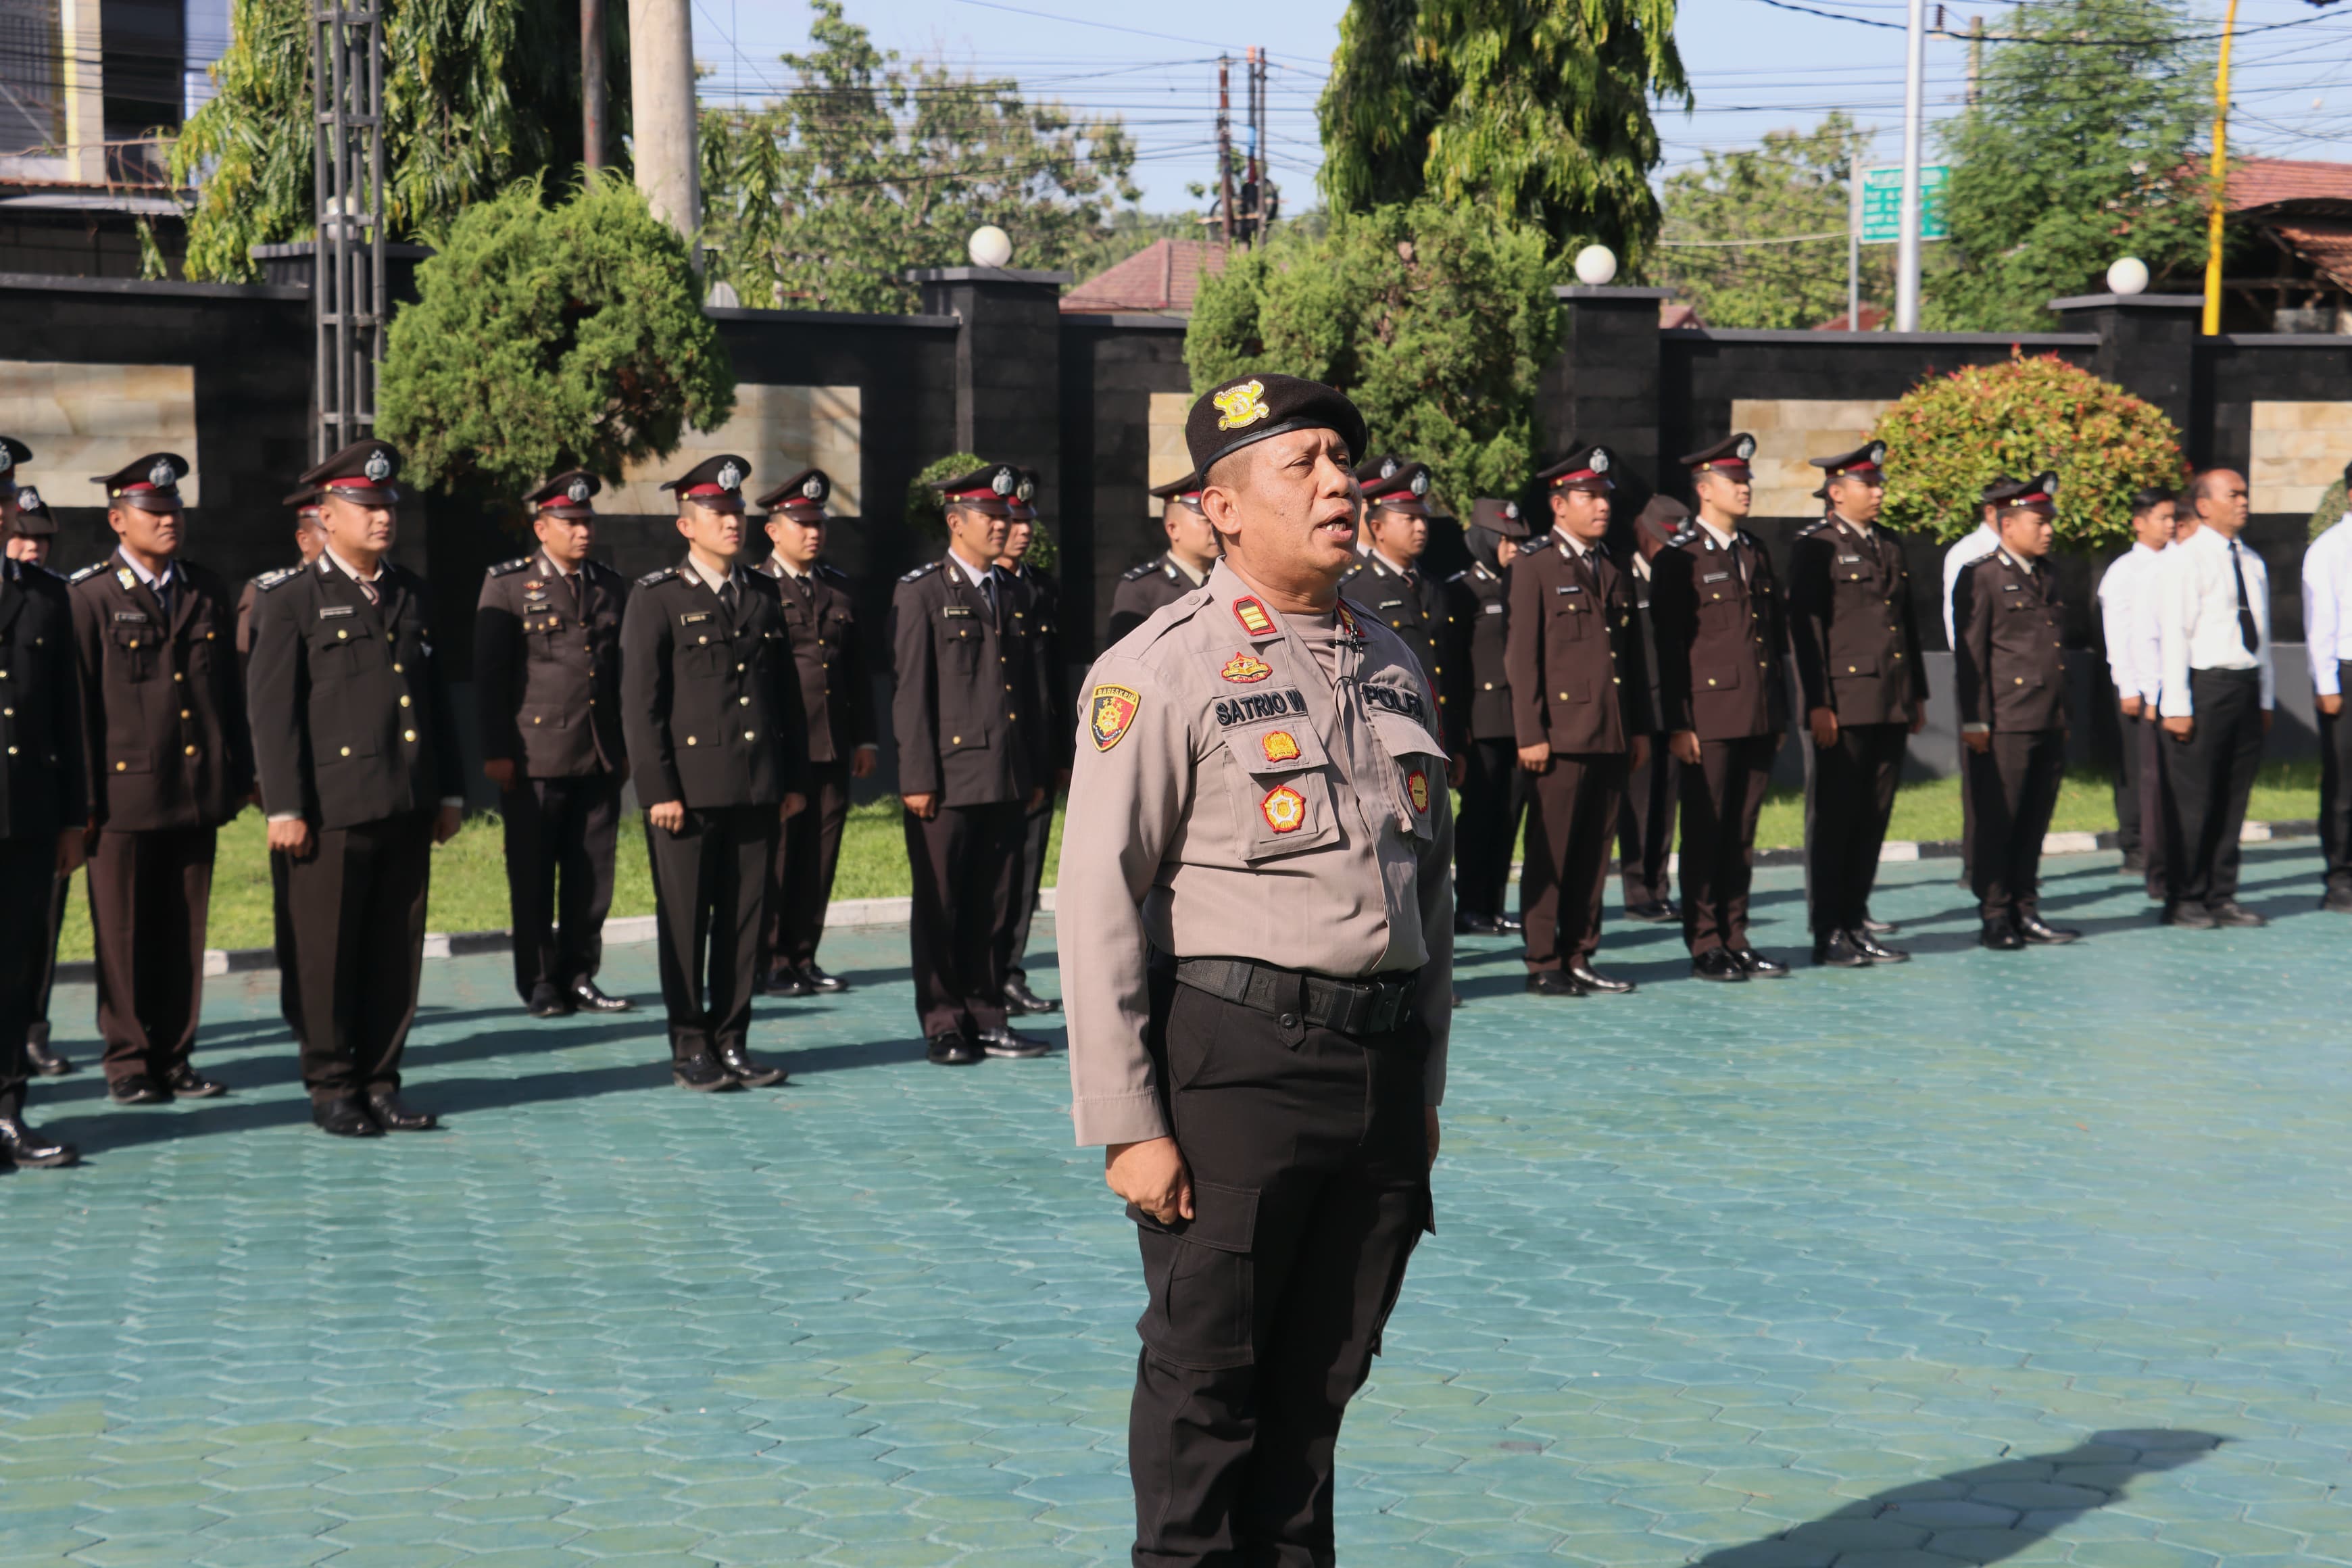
(1395, 699)
(1245, 669)
(1284, 809)
(1113, 709)
(1253, 617)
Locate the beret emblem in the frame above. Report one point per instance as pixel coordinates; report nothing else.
(1240, 406)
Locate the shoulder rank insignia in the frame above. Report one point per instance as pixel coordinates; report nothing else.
(1254, 618)
(1279, 746)
(1112, 710)
(503, 567)
(827, 568)
(1136, 573)
(1813, 528)
(92, 570)
(127, 577)
(664, 576)
(1348, 626)
(1284, 809)
(925, 570)
(1245, 669)
(269, 580)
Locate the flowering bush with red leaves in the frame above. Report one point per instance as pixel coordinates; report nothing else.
(1951, 435)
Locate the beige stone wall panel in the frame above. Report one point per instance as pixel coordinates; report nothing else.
(2296, 451)
(85, 419)
(1789, 430)
(780, 430)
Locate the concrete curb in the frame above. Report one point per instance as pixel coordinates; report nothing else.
(848, 913)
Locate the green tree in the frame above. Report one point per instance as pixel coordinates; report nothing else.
(1795, 183)
(1536, 110)
(2082, 147)
(824, 198)
(477, 93)
(545, 338)
(1435, 320)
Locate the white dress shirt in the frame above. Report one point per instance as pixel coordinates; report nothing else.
(2136, 668)
(1959, 559)
(2196, 615)
(162, 582)
(2327, 606)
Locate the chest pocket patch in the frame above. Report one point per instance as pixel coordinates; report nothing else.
(1279, 780)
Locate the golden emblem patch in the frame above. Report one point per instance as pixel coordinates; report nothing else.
(1254, 618)
(1114, 709)
(1240, 406)
(1285, 808)
(1416, 784)
(1280, 746)
(1243, 669)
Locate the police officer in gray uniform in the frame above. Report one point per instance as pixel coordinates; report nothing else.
(1257, 930)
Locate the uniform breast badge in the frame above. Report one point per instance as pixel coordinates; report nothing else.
(1243, 669)
(1279, 746)
(1284, 809)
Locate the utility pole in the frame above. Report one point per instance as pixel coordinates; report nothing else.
(1853, 236)
(1906, 248)
(1976, 56)
(2220, 177)
(592, 83)
(1225, 147)
(1253, 190)
(661, 112)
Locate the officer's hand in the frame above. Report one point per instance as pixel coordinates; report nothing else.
(1036, 797)
(293, 837)
(2332, 704)
(1536, 758)
(669, 816)
(501, 772)
(2129, 706)
(1918, 720)
(1977, 740)
(2180, 729)
(1456, 769)
(1429, 1114)
(921, 807)
(862, 761)
(71, 851)
(1824, 725)
(446, 825)
(1640, 759)
(1152, 1176)
(2267, 716)
(1683, 744)
(793, 806)
(1061, 780)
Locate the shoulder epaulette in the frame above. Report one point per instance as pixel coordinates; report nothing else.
(503, 567)
(271, 579)
(925, 570)
(92, 570)
(1138, 573)
(1351, 572)
(1459, 575)
(827, 568)
(664, 576)
(1541, 541)
(1810, 529)
(1684, 535)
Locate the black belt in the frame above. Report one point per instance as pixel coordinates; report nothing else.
(1350, 1006)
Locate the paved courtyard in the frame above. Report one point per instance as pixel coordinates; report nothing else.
(2043, 1257)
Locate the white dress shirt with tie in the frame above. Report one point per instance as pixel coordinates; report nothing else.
(2327, 606)
(2135, 657)
(1959, 559)
(2196, 615)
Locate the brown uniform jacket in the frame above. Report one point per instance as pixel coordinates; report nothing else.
(1574, 656)
(43, 784)
(1478, 630)
(710, 702)
(969, 711)
(1851, 625)
(2009, 671)
(1413, 605)
(1043, 621)
(547, 668)
(164, 732)
(1144, 589)
(1232, 800)
(821, 618)
(1720, 637)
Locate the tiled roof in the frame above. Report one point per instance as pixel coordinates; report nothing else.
(2325, 242)
(2266, 182)
(1164, 276)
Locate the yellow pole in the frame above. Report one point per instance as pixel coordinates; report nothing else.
(2220, 177)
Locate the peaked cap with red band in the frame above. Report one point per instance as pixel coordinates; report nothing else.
(2038, 493)
(1867, 461)
(1186, 489)
(150, 483)
(717, 481)
(1585, 468)
(1728, 456)
(1499, 517)
(800, 497)
(12, 452)
(33, 519)
(1404, 488)
(361, 473)
(568, 494)
(1025, 496)
(989, 488)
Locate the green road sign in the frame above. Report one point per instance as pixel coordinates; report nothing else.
(1881, 204)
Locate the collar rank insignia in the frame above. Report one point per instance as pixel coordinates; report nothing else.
(1347, 627)
(127, 577)
(1243, 669)
(1113, 709)
(1279, 746)
(1253, 617)
(1416, 784)
(1284, 809)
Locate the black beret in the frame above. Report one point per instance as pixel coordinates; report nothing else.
(150, 483)
(1499, 517)
(33, 519)
(716, 482)
(566, 495)
(1404, 488)
(1585, 468)
(804, 493)
(989, 487)
(361, 472)
(1248, 408)
(1728, 456)
(2040, 492)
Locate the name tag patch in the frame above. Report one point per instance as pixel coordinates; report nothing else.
(1715, 577)
(1570, 588)
(329, 612)
(1392, 604)
(1231, 711)
(139, 615)
(957, 612)
(2011, 587)
(1850, 560)
(1394, 699)
(1493, 610)
(694, 617)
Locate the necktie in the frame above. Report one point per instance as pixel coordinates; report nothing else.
(579, 592)
(727, 595)
(988, 591)
(163, 595)
(2246, 632)
(369, 589)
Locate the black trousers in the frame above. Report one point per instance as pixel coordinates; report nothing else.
(2015, 788)
(2146, 763)
(28, 882)
(1310, 1186)
(963, 860)
(711, 888)
(808, 852)
(38, 1029)
(1849, 799)
(2131, 768)
(150, 898)
(2336, 794)
(560, 834)
(1722, 798)
(1567, 864)
(1013, 941)
(1645, 827)
(1486, 829)
(2212, 774)
(355, 907)
(281, 942)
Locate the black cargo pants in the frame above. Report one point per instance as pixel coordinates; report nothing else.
(1310, 1185)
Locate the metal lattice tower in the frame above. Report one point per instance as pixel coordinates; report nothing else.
(347, 282)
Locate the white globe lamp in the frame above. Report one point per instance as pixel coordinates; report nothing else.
(1596, 265)
(2129, 275)
(990, 247)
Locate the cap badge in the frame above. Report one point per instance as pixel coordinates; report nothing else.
(1254, 618)
(1243, 669)
(1388, 468)
(1114, 709)
(1877, 452)
(1747, 448)
(1279, 746)
(1599, 463)
(163, 475)
(1510, 508)
(1284, 809)
(379, 467)
(29, 499)
(729, 475)
(815, 488)
(1026, 489)
(1416, 784)
(7, 458)
(1421, 484)
(577, 492)
(1240, 406)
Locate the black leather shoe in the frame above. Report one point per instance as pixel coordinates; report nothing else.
(1657, 912)
(1591, 980)
(1758, 966)
(2135, 865)
(2334, 904)
(1019, 999)
(2041, 933)
(2188, 916)
(588, 999)
(1552, 982)
(819, 981)
(43, 1060)
(1878, 928)
(547, 1002)
(1717, 963)
(784, 981)
(1010, 1042)
(1840, 950)
(395, 1116)
(2229, 912)
(137, 1089)
(2000, 937)
(345, 1119)
(1877, 952)
(1506, 926)
(700, 1073)
(187, 1083)
(747, 1070)
(21, 1145)
(953, 1050)
(1468, 924)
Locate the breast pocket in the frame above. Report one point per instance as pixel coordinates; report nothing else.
(135, 651)
(703, 648)
(1279, 778)
(1571, 613)
(343, 650)
(1417, 767)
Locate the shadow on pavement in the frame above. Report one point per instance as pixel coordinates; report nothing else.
(1984, 1515)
